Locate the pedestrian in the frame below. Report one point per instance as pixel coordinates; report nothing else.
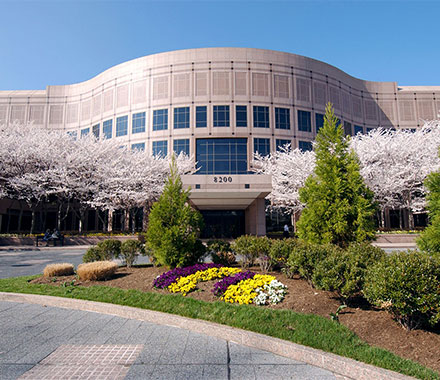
(286, 231)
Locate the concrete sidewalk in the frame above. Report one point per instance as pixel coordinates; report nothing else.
(43, 334)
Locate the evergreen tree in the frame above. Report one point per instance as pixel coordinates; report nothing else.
(174, 226)
(339, 206)
(429, 240)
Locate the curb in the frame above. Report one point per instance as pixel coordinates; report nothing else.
(11, 248)
(345, 367)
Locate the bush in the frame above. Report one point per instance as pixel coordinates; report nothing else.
(280, 250)
(304, 258)
(243, 246)
(93, 254)
(130, 250)
(408, 285)
(174, 226)
(110, 249)
(344, 271)
(96, 271)
(261, 247)
(220, 252)
(62, 269)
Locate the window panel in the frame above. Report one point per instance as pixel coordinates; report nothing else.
(304, 121)
(201, 117)
(358, 129)
(221, 116)
(305, 146)
(319, 121)
(138, 122)
(107, 127)
(280, 143)
(180, 146)
(181, 117)
(138, 147)
(160, 148)
(262, 146)
(282, 118)
(261, 117)
(121, 126)
(85, 132)
(160, 120)
(95, 130)
(241, 116)
(347, 128)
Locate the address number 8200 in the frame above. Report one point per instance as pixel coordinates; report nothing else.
(222, 179)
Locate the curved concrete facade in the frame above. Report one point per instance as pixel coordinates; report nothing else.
(281, 98)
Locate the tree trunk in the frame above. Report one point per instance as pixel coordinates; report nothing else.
(410, 220)
(110, 221)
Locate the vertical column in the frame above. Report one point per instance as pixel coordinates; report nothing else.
(255, 218)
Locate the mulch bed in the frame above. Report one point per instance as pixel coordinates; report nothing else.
(372, 325)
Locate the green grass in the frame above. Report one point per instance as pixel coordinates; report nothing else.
(309, 330)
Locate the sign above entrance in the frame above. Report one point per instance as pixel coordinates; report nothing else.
(222, 179)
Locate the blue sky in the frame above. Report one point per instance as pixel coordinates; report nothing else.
(62, 42)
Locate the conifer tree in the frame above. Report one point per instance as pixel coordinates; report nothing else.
(174, 226)
(339, 206)
(429, 240)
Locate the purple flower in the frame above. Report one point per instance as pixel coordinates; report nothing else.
(221, 286)
(167, 278)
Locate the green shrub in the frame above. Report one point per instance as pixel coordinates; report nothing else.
(408, 285)
(93, 254)
(280, 250)
(220, 252)
(174, 226)
(130, 250)
(343, 271)
(304, 258)
(244, 246)
(110, 249)
(261, 247)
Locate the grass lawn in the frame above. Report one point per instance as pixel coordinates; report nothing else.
(309, 330)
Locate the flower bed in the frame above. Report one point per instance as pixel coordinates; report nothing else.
(236, 286)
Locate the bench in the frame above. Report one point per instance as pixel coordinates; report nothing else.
(39, 238)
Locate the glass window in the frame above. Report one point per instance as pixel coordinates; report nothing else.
(347, 128)
(160, 148)
(85, 132)
(181, 145)
(73, 134)
(319, 121)
(262, 146)
(181, 117)
(241, 116)
(305, 146)
(201, 117)
(261, 117)
(95, 130)
(282, 118)
(281, 143)
(107, 127)
(304, 121)
(358, 129)
(121, 126)
(221, 116)
(369, 129)
(160, 120)
(138, 146)
(138, 123)
(221, 156)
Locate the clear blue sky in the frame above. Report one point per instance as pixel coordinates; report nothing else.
(62, 42)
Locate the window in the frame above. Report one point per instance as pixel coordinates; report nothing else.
(305, 146)
(181, 117)
(160, 148)
(107, 127)
(138, 123)
(358, 129)
(369, 129)
(72, 134)
(181, 146)
(281, 143)
(241, 116)
(282, 118)
(304, 121)
(261, 117)
(121, 126)
(201, 118)
(85, 132)
(160, 120)
(347, 128)
(319, 121)
(262, 146)
(95, 130)
(221, 116)
(221, 156)
(138, 147)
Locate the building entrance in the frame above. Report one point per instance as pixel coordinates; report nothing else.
(223, 224)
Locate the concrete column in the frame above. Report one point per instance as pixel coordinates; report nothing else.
(255, 218)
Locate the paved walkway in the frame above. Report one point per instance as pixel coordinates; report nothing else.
(38, 341)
